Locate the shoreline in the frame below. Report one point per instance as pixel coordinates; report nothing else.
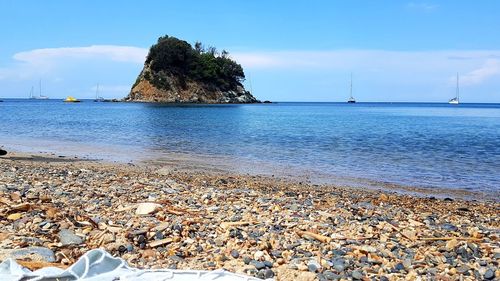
(221, 165)
(260, 226)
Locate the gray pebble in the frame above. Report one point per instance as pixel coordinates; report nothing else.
(462, 269)
(330, 275)
(258, 265)
(449, 227)
(176, 258)
(247, 260)
(489, 274)
(269, 274)
(159, 235)
(67, 237)
(339, 265)
(357, 275)
(235, 254)
(398, 267)
(129, 247)
(312, 267)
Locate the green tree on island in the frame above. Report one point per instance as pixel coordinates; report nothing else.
(172, 56)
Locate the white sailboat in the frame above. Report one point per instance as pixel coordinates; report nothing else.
(32, 97)
(97, 97)
(456, 99)
(40, 96)
(351, 98)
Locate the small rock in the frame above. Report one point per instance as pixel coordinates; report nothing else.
(159, 235)
(268, 264)
(368, 249)
(67, 237)
(489, 274)
(258, 255)
(15, 216)
(339, 265)
(129, 247)
(235, 254)
(449, 227)
(269, 274)
(258, 265)
(147, 208)
(141, 239)
(312, 267)
(357, 275)
(148, 254)
(176, 258)
(450, 245)
(330, 275)
(247, 260)
(219, 242)
(462, 269)
(398, 267)
(32, 253)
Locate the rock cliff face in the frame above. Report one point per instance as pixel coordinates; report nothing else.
(175, 72)
(190, 92)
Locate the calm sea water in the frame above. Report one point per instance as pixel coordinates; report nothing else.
(425, 145)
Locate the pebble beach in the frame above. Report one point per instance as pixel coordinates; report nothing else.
(53, 210)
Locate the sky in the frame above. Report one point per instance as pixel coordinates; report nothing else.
(397, 51)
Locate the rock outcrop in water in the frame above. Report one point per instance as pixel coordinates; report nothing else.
(175, 72)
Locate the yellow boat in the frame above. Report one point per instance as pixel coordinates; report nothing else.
(71, 99)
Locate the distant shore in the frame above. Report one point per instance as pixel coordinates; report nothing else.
(156, 217)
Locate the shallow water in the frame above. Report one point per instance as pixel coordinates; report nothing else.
(414, 144)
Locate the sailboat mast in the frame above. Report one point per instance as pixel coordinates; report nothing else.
(351, 87)
(458, 89)
(97, 92)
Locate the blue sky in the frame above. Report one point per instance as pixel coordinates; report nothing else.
(291, 50)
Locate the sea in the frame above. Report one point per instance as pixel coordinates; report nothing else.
(425, 145)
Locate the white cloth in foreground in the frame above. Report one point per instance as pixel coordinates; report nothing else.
(99, 265)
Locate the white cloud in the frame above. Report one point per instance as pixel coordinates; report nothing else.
(111, 52)
(40, 62)
(477, 66)
(489, 69)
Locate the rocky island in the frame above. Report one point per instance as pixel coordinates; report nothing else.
(175, 72)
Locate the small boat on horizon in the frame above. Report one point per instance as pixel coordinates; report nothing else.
(456, 99)
(351, 98)
(71, 99)
(97, 97)
(40, 96)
